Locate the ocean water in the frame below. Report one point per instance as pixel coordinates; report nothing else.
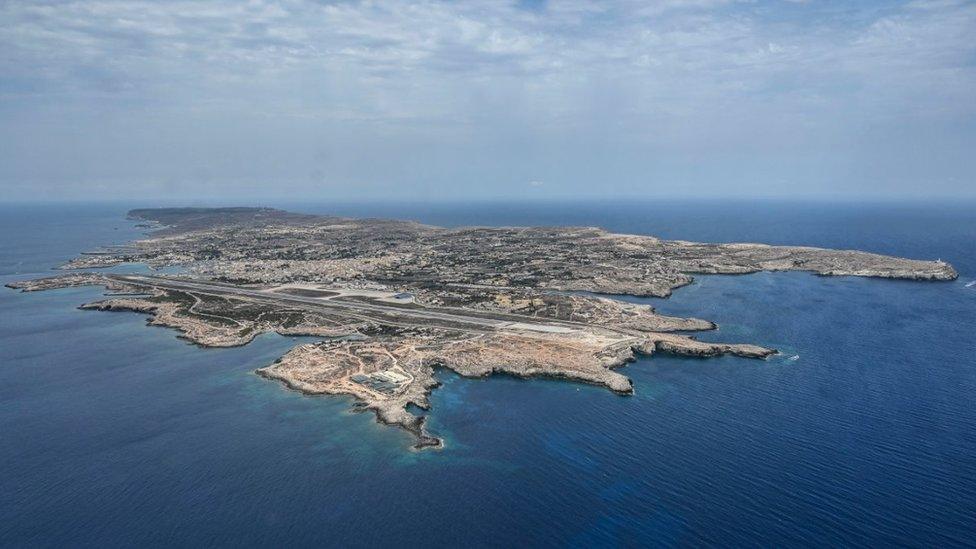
(861, 433)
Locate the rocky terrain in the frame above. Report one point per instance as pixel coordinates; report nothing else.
(394, 300)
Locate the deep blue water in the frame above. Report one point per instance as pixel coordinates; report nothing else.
(114, 434)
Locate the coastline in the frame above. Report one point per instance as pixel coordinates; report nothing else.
(472, 325)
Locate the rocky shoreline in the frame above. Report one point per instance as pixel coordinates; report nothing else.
(394, 301)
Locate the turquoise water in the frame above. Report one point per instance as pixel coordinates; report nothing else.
(114, 434)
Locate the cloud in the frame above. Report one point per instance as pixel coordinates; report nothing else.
(546, 83)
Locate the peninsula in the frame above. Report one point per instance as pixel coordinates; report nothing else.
(393, 300)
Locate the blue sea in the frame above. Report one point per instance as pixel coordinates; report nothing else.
(862, 432)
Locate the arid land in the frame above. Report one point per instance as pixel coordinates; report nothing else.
(393, 300)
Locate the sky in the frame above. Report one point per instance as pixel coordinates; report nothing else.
(462, 100)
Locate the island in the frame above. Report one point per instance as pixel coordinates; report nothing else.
(391, 301)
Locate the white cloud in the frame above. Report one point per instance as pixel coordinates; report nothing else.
(674, 76)
(381, 52)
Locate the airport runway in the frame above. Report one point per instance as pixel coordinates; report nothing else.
(454, 319)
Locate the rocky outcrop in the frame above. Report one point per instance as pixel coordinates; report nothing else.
(333, 367)
(65, 281)
(173, 315)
